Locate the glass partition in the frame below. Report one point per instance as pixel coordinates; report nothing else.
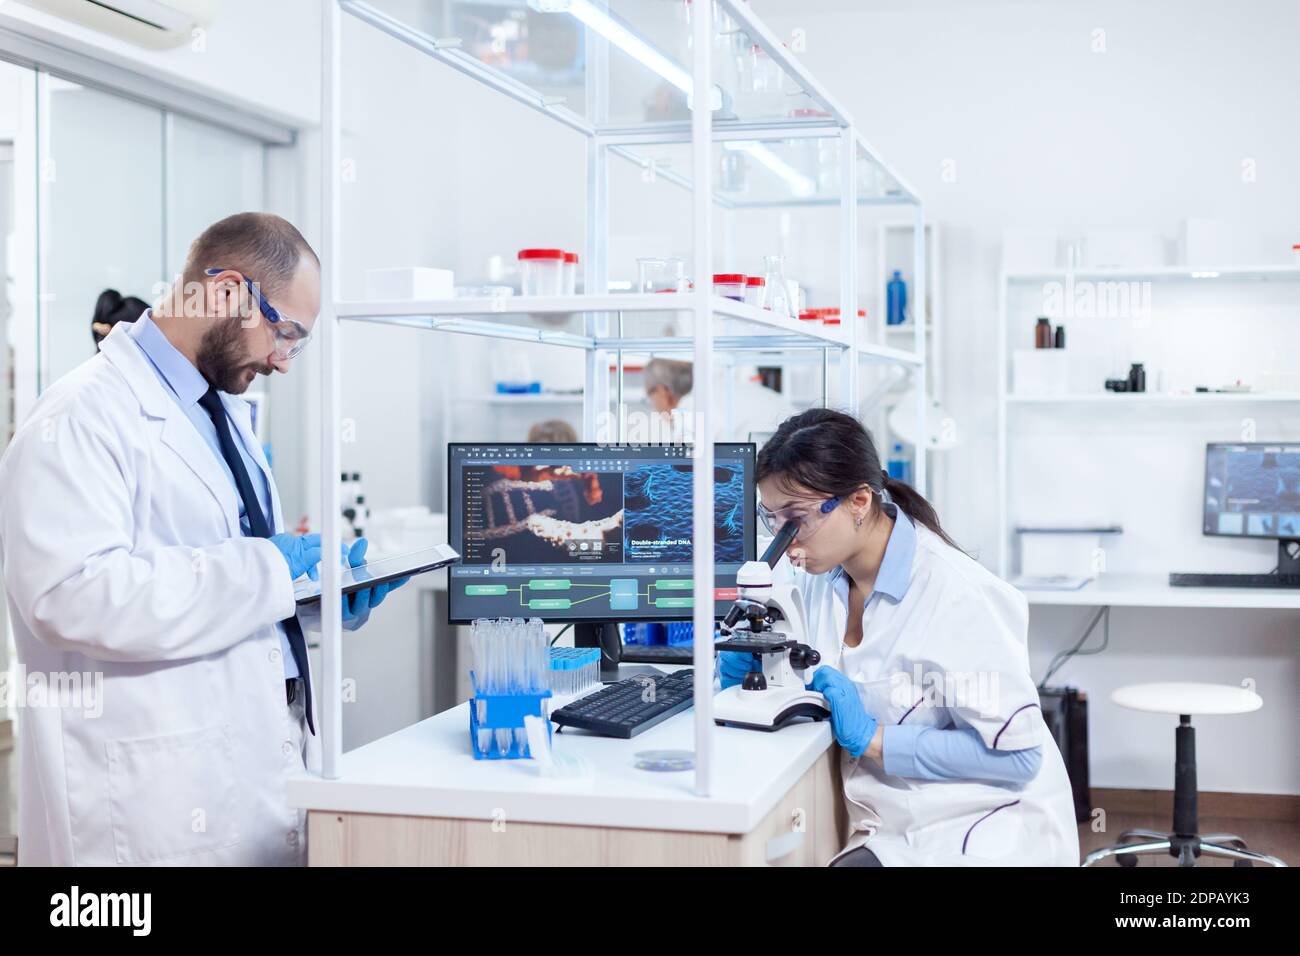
(211, 173)
(102, 213)
(125, 189)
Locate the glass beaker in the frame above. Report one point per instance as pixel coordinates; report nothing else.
(732, 171)
(661, 275)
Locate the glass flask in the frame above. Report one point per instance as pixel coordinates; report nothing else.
(776, 293)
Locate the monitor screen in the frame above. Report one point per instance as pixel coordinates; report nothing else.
(1252, 490)
(590, 532)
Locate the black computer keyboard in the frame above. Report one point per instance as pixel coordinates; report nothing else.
(1197, 580)
(656, 654)
(629, 707)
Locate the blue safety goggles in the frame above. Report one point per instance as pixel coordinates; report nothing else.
(810, 516)
(291, 336)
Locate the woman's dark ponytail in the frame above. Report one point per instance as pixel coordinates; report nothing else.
(832, 454)
(109, 301)
(914, 505)
(111, 308)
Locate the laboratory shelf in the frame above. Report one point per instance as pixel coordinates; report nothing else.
(552, 305)
(776, 331)
(1160, 273)
(705, 97)
(887, 354)
(761, 91)
(522, 398)
(759, 171)
(486, 328)
(1016, 421)
(1129, 399)
(758, 79)
(513, 305)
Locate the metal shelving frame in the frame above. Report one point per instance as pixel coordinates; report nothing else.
(602, 338)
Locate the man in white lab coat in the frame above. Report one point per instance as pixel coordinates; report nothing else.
(669, 384)
(150, 583)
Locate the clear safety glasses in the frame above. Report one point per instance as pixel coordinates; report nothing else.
(291, 336)
(810, 515)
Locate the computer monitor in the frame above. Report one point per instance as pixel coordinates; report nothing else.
(589, 533)
(1252, 490)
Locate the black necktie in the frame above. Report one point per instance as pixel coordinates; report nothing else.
(259, 527)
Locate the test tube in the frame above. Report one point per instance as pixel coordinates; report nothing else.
(479, 646)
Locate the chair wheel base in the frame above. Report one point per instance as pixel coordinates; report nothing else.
(1183, 847)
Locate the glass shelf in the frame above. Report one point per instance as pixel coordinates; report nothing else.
(752, 173)
(630, 322)
(621, 71)
(599, 64)
(1202, 273)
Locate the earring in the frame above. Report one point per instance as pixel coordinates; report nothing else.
(857, 521)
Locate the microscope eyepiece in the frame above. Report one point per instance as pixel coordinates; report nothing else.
(782, 541)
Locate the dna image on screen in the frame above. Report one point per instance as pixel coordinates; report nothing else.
(657, 499)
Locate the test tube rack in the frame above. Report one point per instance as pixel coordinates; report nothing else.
(505, 713)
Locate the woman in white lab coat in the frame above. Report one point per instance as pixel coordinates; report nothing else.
(945, 756)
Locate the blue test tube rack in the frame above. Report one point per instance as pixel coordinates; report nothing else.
(503, 712)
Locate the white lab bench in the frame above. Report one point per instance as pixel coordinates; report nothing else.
(1154, 590)
(418, 797)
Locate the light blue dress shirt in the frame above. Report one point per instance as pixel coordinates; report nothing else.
(187, 385)
(935, 753)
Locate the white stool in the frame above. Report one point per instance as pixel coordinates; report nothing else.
(1184, 842)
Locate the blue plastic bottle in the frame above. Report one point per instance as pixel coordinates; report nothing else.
(896, 293)
(899, 466)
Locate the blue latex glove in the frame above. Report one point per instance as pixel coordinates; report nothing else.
(360, 603)
(733, 666)
(853, 726)
(301, 551)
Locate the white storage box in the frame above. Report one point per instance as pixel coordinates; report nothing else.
(1123, 249)
(410, 284)
(1030, 250)
(1207, 243)
(1066, 552)
(1040, 372)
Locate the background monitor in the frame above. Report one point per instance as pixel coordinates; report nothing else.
(1252, 490)
(590, 533)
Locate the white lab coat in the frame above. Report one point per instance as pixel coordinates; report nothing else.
(122, 556)
(754, 408)
(966, 631)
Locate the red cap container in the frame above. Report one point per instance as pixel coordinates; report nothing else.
(729, 285)
(541, 271)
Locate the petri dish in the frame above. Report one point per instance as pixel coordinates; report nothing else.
(664, 761)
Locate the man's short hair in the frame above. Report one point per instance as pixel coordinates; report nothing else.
(554, 430)
(673, 374)
(264, 247)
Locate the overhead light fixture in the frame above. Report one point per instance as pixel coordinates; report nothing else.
(622, 36)
(802, 185)
(1205, 275)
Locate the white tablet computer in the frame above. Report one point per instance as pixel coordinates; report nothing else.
(381, 571)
